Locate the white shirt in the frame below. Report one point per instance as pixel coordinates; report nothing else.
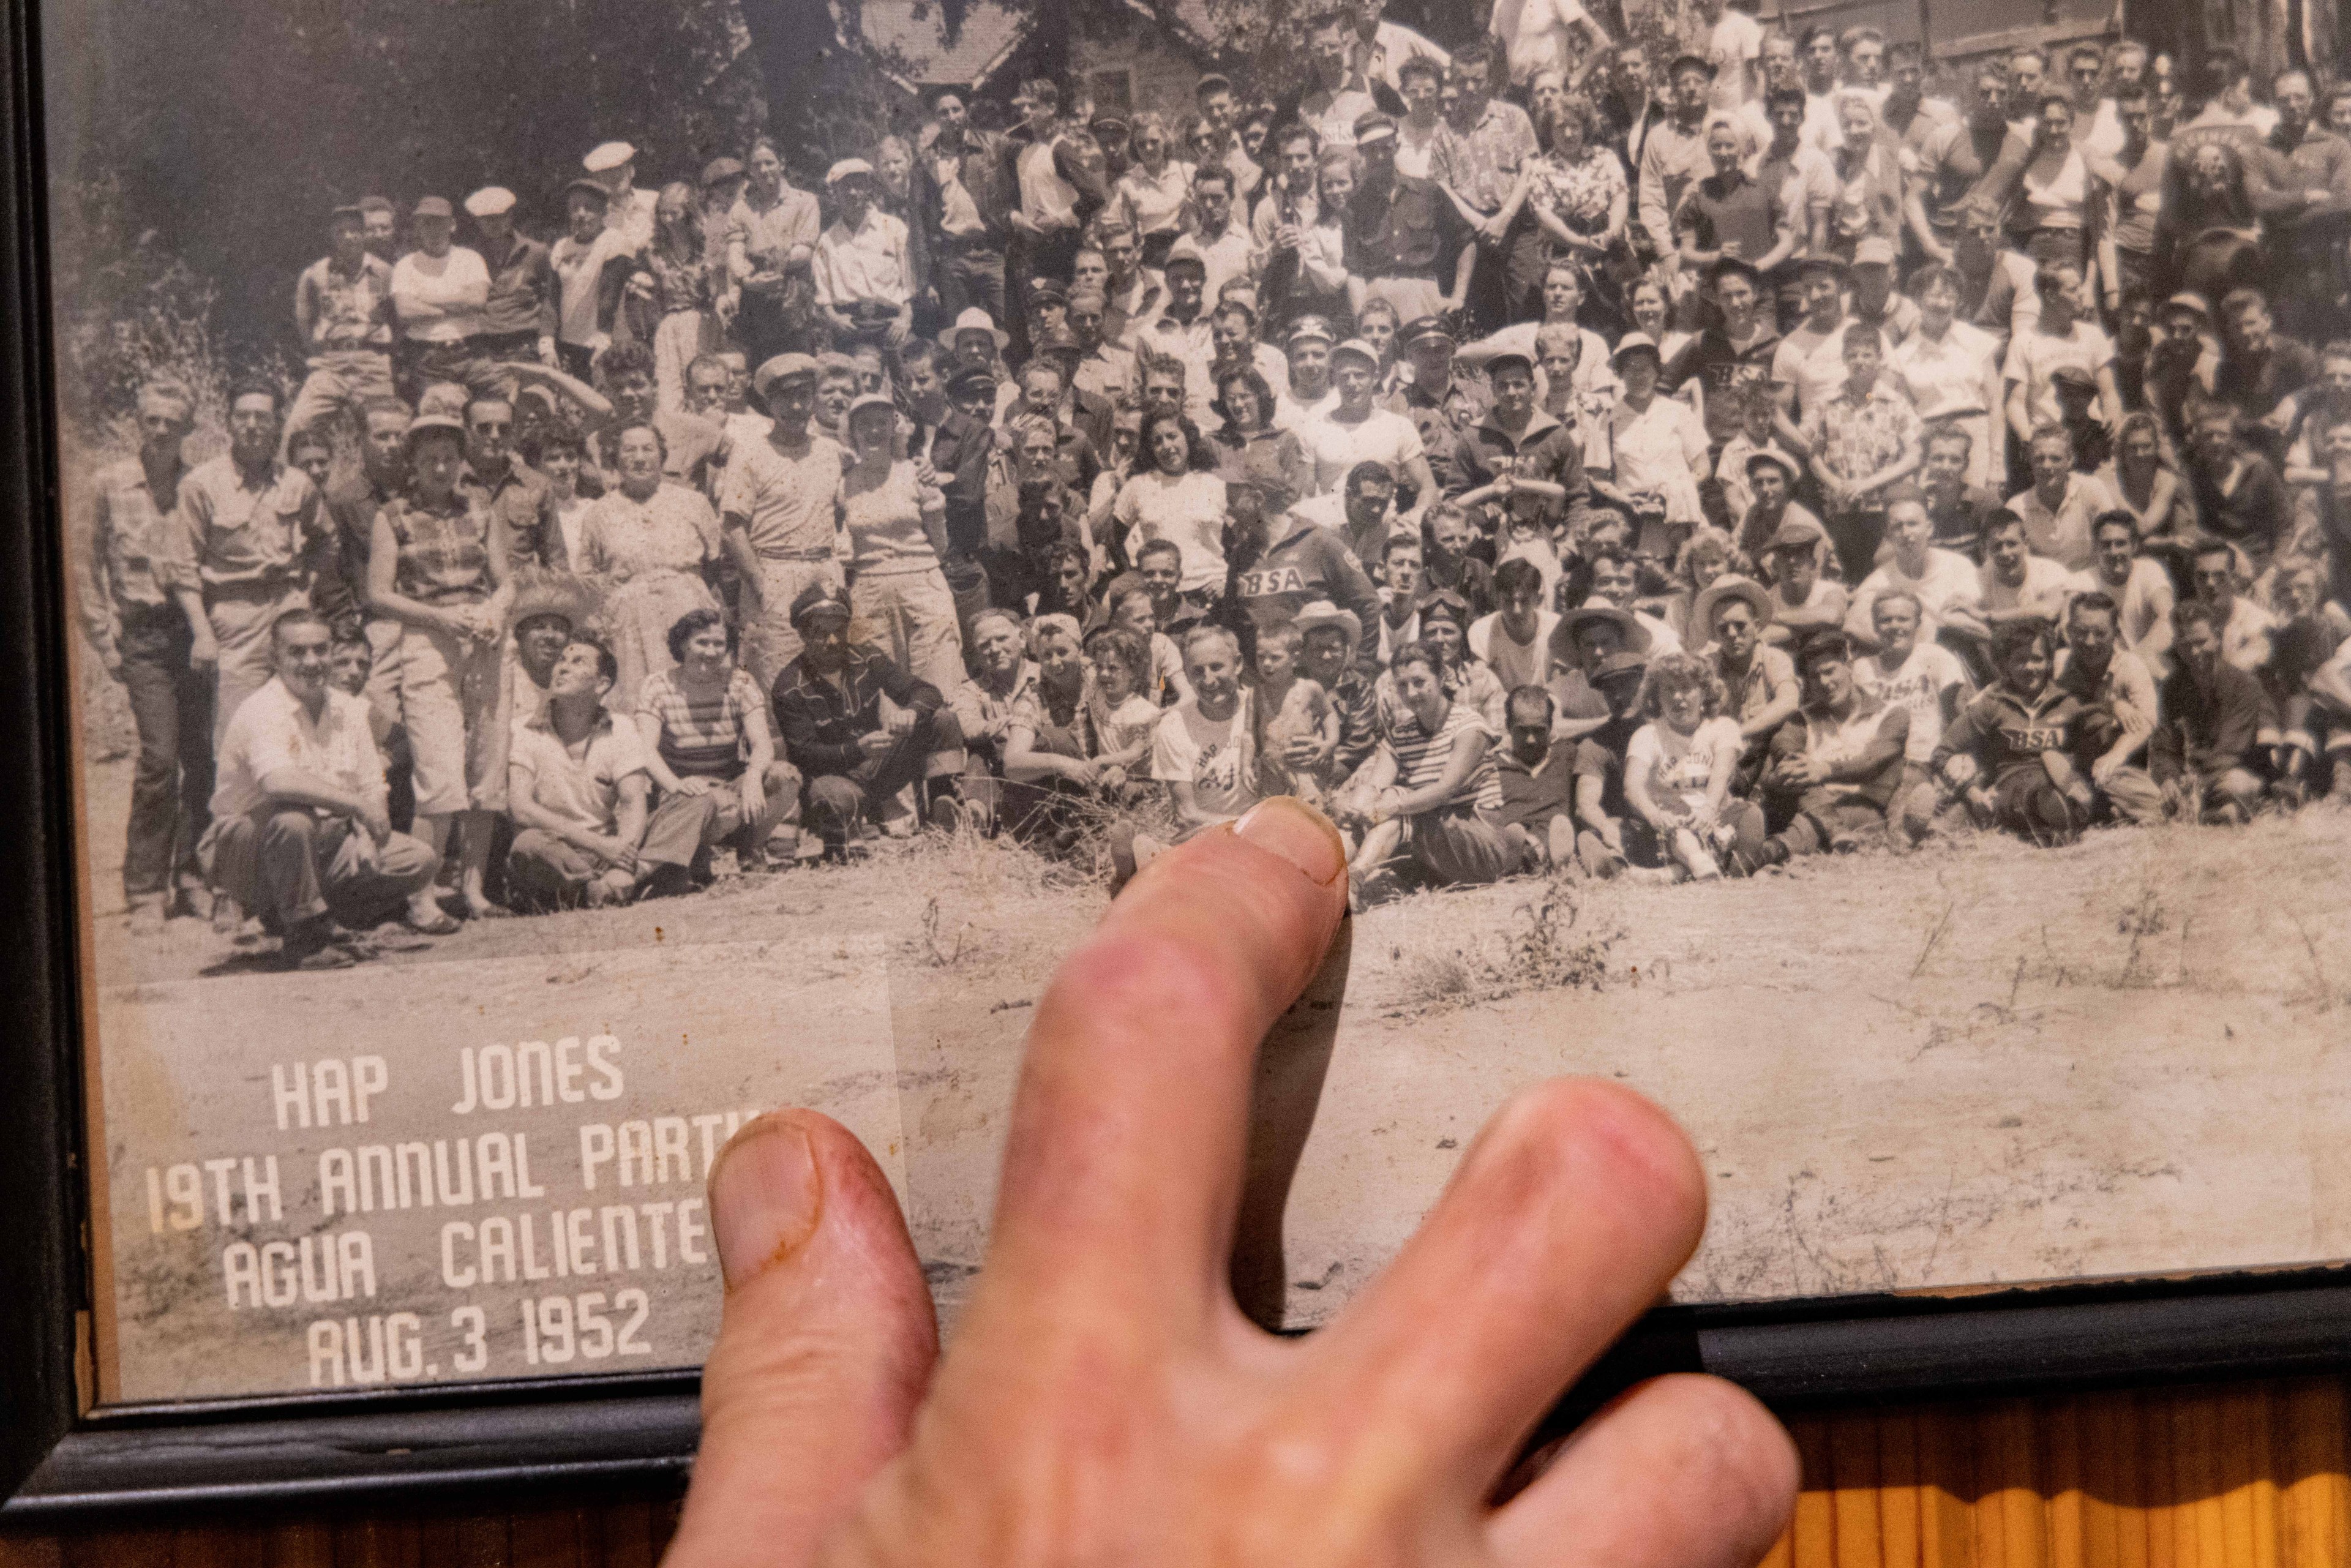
(1185, 509)
(1049, 201)
(1950, 579)
(2144, 601)
(1537, 34)
(1335, 446)
(1217, 757)
(1917, 683)
(1738, 38)
(271, 731)
(1514, 664)
(439, 299)
(869, 263)
(579, 270)
(583, 791)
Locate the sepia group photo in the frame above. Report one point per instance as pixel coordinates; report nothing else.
(1806, 549)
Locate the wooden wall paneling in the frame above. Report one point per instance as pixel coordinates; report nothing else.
(1901, 1503)
(1946, 1463)
(1812, 1532)
(378, 1539)
(2317, 1527)
(147, 1545)
(1855, 1475)
(300, 1541)
(2064, 1517)
(547, 1536)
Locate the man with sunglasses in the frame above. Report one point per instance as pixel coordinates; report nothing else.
(509, 487)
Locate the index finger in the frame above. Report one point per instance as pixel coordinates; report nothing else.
(1124, 1164)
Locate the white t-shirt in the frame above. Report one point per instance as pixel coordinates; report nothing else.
(1336, 446)
(1217, 757)
(1738, 38)
(578, 272)
(1514, 664)
(1678, 766)
(1187, 509)
(1917, 683)
(2034, 357)
(439, 299)
(1535, 34)
(1951, 579)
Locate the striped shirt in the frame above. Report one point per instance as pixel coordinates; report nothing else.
(1421, 757)
(704, 734)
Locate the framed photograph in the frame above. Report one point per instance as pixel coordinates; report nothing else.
(547, 611)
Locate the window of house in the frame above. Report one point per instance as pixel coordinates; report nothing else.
(1114, 91)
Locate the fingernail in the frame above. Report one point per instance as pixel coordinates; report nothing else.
(1297, 832)
(765, 1199)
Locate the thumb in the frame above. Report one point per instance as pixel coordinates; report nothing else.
(825, 1348)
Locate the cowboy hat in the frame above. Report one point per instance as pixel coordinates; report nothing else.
(1563, 635)
(1323, 613)
(974, 319)
(1746, 590)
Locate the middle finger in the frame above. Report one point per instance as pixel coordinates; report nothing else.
(1569, 1214)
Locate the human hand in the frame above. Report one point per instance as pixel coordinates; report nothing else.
(877, 744)
(377, 822)
(204, 651)
(1105, 1399)
(615, 852)
(697, 784)
(901, 721)
(753, 795)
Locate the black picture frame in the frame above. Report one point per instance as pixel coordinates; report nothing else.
(58, 1461)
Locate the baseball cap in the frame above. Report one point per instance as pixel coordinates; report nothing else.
(1044, 289)
(2187, 300)
(432, 421)
(1632, 342)
(1356, 349)
(490, 201)
(1617, 665)
(587, 187)
(1874, 250)
(782, 368)
(848, 167)
(432, 207)
(1506, 358)
(721, 169)
(1374, 127)
(1310, 329)
(1796, 533)
(605, 157)
(1185, 249)
(348, 210)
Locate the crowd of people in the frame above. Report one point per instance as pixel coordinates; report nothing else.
(1537, 458)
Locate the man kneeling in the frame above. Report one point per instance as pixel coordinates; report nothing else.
(300, 836)
(577, 787)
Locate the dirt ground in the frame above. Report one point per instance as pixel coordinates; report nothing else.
(1979, 1062)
